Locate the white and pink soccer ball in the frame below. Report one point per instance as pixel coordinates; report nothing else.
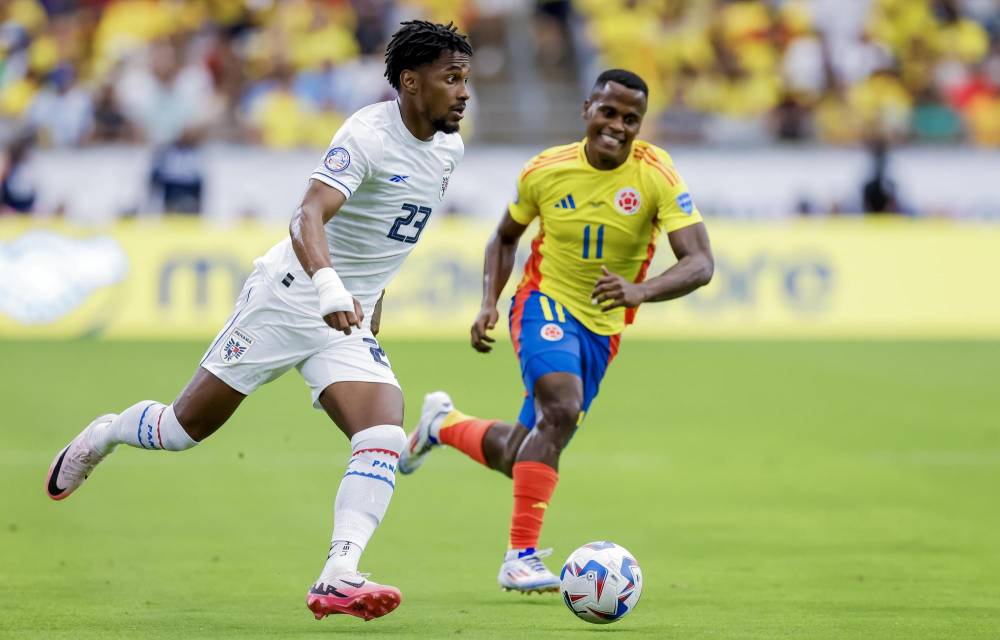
(601, 582)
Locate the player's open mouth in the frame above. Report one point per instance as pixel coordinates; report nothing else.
(611, 140)
(459, 112)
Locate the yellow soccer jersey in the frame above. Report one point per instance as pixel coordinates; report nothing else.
(588, 218)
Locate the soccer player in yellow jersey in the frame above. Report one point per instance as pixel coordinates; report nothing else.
(602, 204)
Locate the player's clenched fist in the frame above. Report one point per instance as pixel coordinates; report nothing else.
(344, 320)
(485, 321)
(617, 291)
(338, 307)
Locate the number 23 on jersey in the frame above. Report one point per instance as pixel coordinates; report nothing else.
(409, 227)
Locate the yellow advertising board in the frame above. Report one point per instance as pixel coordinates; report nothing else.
(847, 277)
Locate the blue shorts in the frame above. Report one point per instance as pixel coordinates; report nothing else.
(548, 339)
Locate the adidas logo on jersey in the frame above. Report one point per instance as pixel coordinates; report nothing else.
(566, 203)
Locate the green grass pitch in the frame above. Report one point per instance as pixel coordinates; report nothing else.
(768, 490)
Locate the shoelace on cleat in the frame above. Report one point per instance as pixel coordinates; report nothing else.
(535, 560)
(84, 460)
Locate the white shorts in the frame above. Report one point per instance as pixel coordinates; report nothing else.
(265, 337)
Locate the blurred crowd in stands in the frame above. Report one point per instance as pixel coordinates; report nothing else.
(171, 74)
(280, 73)
(286, 73)
(836, 71)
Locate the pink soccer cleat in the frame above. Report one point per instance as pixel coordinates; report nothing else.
(74, 463)
(353, 594)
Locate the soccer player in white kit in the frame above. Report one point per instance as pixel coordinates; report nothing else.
(313, 302)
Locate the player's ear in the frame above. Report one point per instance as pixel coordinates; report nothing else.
(586, 108)
(409, 81)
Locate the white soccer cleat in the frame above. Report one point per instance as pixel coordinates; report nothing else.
(523, 570)
(75, 462)
(436, 408)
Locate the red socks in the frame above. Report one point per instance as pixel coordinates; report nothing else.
(534, 483)
(465, 434)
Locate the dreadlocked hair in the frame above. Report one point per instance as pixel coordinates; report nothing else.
(418, 42)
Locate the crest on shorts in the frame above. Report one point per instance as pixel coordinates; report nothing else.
(337, 159)
(235, 346)
(552, 332)
(628, 201)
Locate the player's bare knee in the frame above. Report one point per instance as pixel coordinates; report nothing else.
(561, 417)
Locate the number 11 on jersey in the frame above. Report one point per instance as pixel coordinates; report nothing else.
(597, 251)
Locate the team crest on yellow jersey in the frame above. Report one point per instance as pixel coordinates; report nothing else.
(628, 201)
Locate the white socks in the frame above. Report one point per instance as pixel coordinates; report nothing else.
(344, 557)
(145, 425)
(363, 496)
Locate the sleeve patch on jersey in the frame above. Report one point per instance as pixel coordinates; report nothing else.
(337, 159)
(685, 202)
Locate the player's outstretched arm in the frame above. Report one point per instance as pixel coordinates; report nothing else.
(497, 266)
(693, 269)
(339, 309)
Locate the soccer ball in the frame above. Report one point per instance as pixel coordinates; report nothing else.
(601, 582)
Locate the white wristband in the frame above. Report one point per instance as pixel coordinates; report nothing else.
(332, 294)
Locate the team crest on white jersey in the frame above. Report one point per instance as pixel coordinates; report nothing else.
(444, 182)
(628, 201)
(337, 159)
(235, 346)
(552, 332)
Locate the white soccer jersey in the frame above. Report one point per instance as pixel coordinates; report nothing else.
(393, 182)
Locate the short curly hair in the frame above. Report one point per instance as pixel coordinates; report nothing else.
(419, 42)
(625, 78)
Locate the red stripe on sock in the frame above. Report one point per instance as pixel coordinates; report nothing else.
(158, 438)
(534, 484)
(467, 436)
(388, 452)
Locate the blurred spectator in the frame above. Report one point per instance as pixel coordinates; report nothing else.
(934, 121)
(62, 110)
(791, 119)
(878, 193)
(110, 123)
(552, 35)
(18, 184)
(284, 119)
(176, 176)
(166, 95)
(371, 30)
